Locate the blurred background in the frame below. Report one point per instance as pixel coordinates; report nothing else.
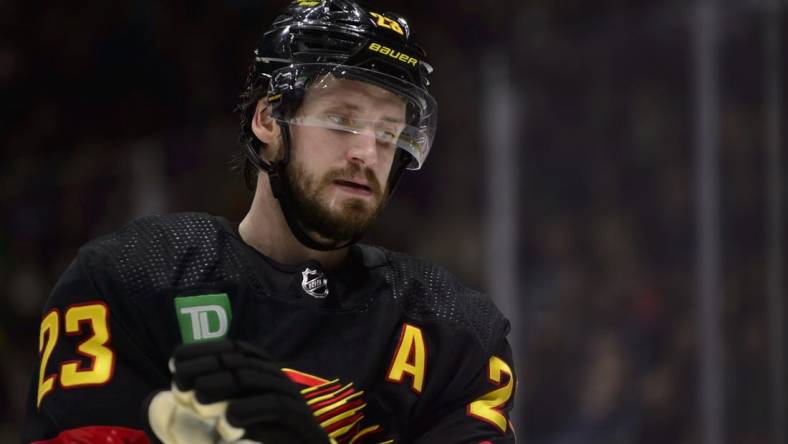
(610, 172)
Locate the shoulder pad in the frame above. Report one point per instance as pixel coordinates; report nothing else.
(155, 252)
(430, 291)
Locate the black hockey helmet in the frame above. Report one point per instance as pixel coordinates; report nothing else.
(316, 39)
(340, 32)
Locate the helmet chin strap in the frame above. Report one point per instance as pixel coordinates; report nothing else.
(283, 191)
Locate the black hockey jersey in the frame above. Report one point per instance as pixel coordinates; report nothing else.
(428, 356)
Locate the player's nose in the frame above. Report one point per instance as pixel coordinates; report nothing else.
(363, 148)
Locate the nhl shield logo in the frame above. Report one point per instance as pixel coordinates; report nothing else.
(314, 283)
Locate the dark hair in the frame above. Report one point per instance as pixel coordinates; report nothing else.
(247, 104)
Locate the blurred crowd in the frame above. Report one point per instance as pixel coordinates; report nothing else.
(113, 110)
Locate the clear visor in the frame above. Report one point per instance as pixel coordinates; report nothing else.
(362, 102)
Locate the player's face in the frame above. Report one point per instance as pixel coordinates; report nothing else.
(342, 155)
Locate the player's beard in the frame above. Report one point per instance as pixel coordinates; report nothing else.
(352, 219)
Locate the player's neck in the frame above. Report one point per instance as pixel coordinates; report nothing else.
(265, 229)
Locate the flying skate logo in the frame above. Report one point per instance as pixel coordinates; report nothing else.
(314, 283)
(337, 406)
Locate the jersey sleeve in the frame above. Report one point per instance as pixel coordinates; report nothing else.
(91, 373)
(480, 413)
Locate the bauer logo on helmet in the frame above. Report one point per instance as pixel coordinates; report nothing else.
(394, 54)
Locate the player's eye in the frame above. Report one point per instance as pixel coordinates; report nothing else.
(343, 122)
(386, 136)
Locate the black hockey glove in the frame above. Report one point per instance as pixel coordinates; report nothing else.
(227, 392)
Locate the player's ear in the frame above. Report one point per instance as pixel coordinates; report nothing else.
(264, 126)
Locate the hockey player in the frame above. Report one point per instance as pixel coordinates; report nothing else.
(188, 329)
